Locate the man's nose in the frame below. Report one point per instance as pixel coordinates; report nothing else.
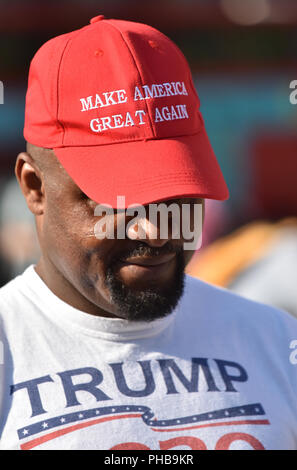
(145, 230)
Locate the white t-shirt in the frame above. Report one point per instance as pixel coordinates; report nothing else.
(218, 373)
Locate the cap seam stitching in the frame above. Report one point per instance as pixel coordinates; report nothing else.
(58, 91)
(183, 58)
(190, 179)
(136, 139)
(140, 76)
(70, 39)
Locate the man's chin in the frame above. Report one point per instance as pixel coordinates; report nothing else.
(147, 302)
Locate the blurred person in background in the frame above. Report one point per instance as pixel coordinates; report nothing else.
(258, 261)
(259, 258)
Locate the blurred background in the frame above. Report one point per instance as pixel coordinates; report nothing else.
(243, 55)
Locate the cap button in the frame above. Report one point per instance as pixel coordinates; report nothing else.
(97, 18)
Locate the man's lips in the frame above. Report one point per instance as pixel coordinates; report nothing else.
(148, 261)
(147, 269)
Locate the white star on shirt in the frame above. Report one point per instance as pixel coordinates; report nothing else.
(80, 415)
(44, 425)
(25, 431)
(62, 420)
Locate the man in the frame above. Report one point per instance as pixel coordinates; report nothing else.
(106, 343)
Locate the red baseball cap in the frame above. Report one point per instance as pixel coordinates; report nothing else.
(116, 102)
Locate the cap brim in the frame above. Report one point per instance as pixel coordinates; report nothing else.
(146, 171)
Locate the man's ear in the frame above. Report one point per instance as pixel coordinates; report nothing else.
(31, 182)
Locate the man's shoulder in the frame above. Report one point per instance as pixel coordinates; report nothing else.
(8, 290)
(230, 306)
(12, 293)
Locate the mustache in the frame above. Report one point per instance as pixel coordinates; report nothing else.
(143, 250)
